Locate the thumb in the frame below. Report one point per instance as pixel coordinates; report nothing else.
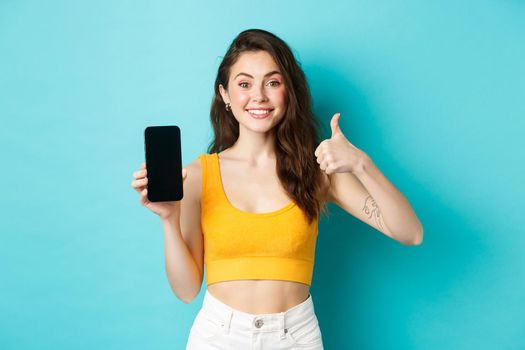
(184, 173)
(334, 124)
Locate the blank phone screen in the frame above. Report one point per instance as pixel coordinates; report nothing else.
(163, 163)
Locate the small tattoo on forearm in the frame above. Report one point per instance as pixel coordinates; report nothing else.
(372, 210)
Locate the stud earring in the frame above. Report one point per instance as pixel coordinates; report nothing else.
(228, 107)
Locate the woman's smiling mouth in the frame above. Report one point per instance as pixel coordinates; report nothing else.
(259, 113)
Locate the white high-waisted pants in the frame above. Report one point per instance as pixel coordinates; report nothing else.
(218, 326)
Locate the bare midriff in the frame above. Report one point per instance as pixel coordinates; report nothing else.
(260, 296)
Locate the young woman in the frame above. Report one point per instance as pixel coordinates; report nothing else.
(252, 204)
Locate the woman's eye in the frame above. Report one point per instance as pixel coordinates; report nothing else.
(274, 82)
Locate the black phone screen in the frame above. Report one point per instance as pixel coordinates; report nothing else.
(162, 146)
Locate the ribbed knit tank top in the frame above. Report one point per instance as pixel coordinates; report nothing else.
(239, 245)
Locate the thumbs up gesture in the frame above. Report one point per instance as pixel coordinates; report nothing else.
(337, 154)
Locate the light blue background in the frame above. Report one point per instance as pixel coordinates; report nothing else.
(433, 91)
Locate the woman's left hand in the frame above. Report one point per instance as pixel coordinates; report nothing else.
(337, 154)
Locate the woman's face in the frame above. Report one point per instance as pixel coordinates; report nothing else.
(256, 91)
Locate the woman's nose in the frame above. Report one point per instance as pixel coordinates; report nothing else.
(258, 95)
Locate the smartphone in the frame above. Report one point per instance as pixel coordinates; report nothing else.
(162, 147)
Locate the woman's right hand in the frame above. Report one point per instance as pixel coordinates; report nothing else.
(163, 209)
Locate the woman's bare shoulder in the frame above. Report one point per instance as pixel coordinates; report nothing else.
(193, 182)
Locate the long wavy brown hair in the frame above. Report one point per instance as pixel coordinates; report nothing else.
(296, 136)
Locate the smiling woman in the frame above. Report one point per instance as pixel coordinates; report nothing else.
(261, 197)
(249, 217)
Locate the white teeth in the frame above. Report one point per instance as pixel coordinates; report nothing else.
(259, 111)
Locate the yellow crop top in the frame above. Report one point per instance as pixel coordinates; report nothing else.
(238, 245)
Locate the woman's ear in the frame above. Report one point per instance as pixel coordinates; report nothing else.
(224, 94)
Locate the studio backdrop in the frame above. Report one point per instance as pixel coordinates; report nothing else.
(433, 91)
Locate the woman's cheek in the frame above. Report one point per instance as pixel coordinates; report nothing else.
(281, 98)
(243, 98)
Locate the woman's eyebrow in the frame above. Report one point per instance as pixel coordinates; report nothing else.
(266, 75)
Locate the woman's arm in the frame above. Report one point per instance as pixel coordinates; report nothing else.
(183, 275)
(396, 211)
(360, 188)
(183, 239)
